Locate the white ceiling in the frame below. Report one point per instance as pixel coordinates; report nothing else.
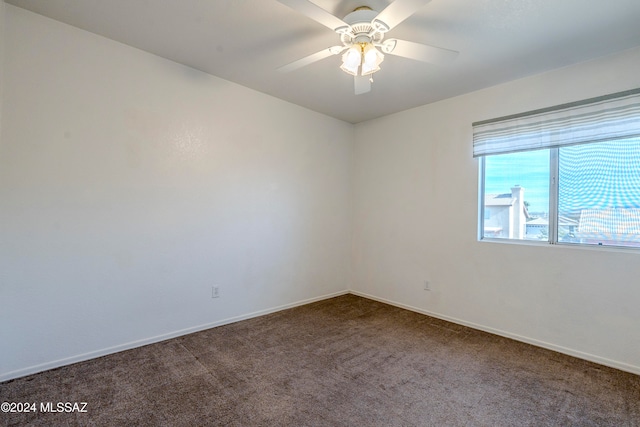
(244, 41)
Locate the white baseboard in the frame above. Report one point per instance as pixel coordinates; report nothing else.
(139, 343)
(575, 353)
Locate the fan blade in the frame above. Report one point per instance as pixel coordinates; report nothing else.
(315, 12)
(419, 52)
(362, 84)
(398, 11)
(324, 53)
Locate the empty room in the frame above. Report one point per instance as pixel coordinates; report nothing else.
(319, 213)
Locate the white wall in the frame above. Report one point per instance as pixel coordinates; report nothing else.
(1, 57)
(129, 185)
(415, 219)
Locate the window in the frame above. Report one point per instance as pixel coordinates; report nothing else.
(565, 175)
(516, 195)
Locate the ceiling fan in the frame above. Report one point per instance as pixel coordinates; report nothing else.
(362, 35)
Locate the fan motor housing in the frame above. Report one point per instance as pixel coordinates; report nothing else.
(360, 22)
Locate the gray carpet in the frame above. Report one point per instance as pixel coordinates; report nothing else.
(347, 361)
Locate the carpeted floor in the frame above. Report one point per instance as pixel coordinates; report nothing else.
(346, 361)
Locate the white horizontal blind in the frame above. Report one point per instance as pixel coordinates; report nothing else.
(604, 118)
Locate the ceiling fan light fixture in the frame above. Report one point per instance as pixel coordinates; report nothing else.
(372, 58)
(361, 59)
(351, 60)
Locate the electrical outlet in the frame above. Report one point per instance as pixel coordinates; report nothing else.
(427, 285)
(215, 292)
